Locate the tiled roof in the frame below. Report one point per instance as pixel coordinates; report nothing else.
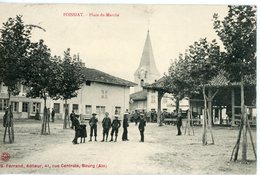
(102, 77)
(218, 81)
(158, 85)
(141, 95)
(221, 81)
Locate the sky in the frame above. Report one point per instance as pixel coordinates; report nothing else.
(114, 44)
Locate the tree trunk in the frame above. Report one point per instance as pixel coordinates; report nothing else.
(204, 123)
(45, 120)
(66, 116)
(9, 127)
(177, 103)
(160, 95)
(244, 117)
(220, 116)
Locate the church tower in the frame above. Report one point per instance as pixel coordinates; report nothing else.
(147, 72)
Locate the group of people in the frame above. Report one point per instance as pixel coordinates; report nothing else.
(176, 115)
(49, 114)
(107, 124)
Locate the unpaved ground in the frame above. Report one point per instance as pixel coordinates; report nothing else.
(162, 152)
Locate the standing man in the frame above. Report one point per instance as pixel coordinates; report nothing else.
(179, 122)
(52, 114)
(115, 126)
(136, 117)
(141, 127)
(125, 125)
(106, 124)
(76, 123)
(72, 116)
(162, 117)
(93, 126)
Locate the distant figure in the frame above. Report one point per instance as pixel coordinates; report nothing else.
(5, 117)
(37, 115)
(76, 123)
(115, 126)
(106, 124)
(125, 126)
(141, 127)
(72, 116)
(162, 117)
(179, 123)
(136, 117)
(52, 114)
(93, 126)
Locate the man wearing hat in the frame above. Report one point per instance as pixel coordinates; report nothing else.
(115, 126)
(125, 125)
(93, 126)
(142, 124)
(106, 124)
(76, 123)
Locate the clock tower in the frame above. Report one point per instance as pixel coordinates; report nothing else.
(147, 71)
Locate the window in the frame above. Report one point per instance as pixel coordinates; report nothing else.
(164, 100)
(152, 99)
(117, 110)
(56, 107)
(3, 104)
(25, 107)
(88, 109)
(103, 94)
(36, 107)
(75, 107)
(142, 82)
(100, 110)
(15, 106)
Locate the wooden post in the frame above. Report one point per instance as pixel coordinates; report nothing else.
(233, 107)
(210, 107)
(66, 116)
(160, 95)
(204, 123)
(220, 116)
(244, 117)
(251, 138)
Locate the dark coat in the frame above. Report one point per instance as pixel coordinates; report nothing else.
(93, 121)
(72, 115)
(83, 131)
(125, 123)
(76, 123)
(116, 124)
(106, 123)
(142, 125)
(179, 120)
(52, 113)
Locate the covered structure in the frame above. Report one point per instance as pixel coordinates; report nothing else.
(229, 98)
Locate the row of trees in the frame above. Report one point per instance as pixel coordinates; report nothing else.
(204, 59)
(31, 64)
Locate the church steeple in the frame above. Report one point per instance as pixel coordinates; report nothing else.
(147, 71)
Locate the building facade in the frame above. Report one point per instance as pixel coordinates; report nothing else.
(101, 93)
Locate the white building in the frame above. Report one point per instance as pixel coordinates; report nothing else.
(101, 93)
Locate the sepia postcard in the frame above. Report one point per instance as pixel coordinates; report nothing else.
(138, 88)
